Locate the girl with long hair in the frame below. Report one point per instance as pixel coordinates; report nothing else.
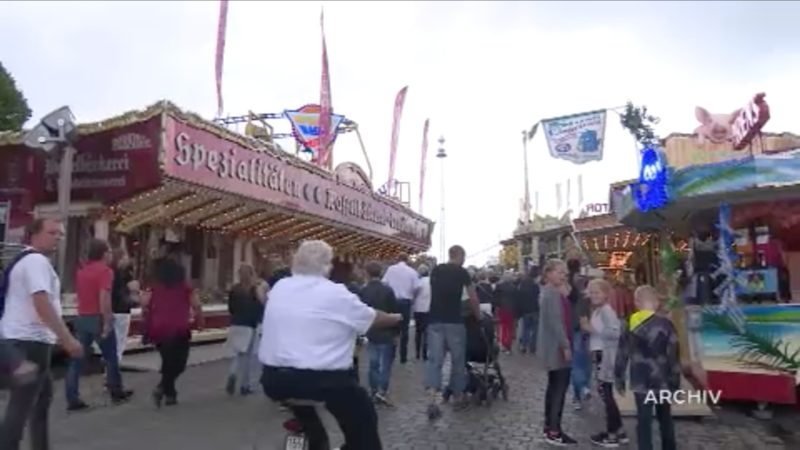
(604, 330)
(555, 336)
(168, 308)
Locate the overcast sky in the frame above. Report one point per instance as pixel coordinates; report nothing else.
(482, 72)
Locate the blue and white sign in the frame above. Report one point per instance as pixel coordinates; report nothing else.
(578, 138)
(651, 191)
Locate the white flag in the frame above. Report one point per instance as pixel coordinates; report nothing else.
(578, 138)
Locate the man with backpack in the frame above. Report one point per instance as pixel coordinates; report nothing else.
(30, 301)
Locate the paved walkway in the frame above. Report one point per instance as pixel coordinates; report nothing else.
(207, 419)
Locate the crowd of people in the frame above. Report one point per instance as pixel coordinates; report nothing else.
(303, 324)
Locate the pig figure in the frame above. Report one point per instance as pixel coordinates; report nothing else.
(715, 127)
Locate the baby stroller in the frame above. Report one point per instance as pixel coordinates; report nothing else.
(485, 381)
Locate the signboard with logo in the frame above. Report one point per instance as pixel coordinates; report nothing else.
(198, 156)
(651, 191)
(305, 125)
(750, 121)
(578, 138)
(108, 165)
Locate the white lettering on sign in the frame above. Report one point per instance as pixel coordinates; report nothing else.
(750, 121)
(682, 397)
(130, 141)
(88, 163)
(272, 176)
(595, 208)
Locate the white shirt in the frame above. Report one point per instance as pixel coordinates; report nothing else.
(402, 279)
(312, 323)
(30, 275)
(422, 302)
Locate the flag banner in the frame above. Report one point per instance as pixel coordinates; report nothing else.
(399, 101)
(325, 151)
(577, 138)
(220, 56)
(532, 131)
(422, 162)
(569, 193)
(305, 126)
(558, 198)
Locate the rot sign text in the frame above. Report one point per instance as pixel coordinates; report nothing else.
(749, 122)
(593, 209)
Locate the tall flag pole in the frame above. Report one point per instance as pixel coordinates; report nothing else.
(422, 162)
(324, 152)
(399, 101)
(220, 56)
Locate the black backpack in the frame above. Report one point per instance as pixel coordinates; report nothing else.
(4, 280)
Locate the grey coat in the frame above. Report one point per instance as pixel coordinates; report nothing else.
(552, 337)
(609, 333)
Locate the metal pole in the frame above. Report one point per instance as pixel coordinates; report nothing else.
(441, 219)
(527, 206)
(64, 196)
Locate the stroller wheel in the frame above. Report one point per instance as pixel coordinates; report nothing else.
(505, 392)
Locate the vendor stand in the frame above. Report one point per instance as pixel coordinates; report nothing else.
(762, 189)
(149, 179)
(626, 256)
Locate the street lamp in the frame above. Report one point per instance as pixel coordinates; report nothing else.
(441, 154)
(55, 134)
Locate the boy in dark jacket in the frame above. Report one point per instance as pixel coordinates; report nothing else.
(649, 346)
(382, 342)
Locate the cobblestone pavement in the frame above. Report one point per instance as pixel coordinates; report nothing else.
(207, 419)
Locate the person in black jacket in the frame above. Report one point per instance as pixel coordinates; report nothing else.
(382, 342)
(246, 307)
(528, 310)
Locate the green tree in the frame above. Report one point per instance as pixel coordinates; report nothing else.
(640, 124)
(14, 110)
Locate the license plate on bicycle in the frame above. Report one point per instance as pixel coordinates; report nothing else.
(295, 442)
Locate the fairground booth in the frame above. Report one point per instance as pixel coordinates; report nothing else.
(626, 256)
(163, 177)
(733, 197)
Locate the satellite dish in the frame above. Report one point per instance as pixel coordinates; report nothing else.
(55, 130)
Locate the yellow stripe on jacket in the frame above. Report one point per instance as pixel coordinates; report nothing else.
(638, 318)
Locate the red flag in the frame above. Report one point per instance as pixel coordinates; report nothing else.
(422, 163)
(324, 152)
(220, 56)
(398, 112)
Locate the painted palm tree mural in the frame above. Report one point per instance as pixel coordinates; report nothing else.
(755, 346)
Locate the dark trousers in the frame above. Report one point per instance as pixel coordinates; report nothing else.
(606, 391)
(348, 402)
(405, 310)
(10, 360)
(557, 386)
(421, 335)
(30, 403)
(644, 423)
(174, 356)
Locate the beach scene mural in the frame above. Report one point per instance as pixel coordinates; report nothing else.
(778, 321)
(737, 174)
